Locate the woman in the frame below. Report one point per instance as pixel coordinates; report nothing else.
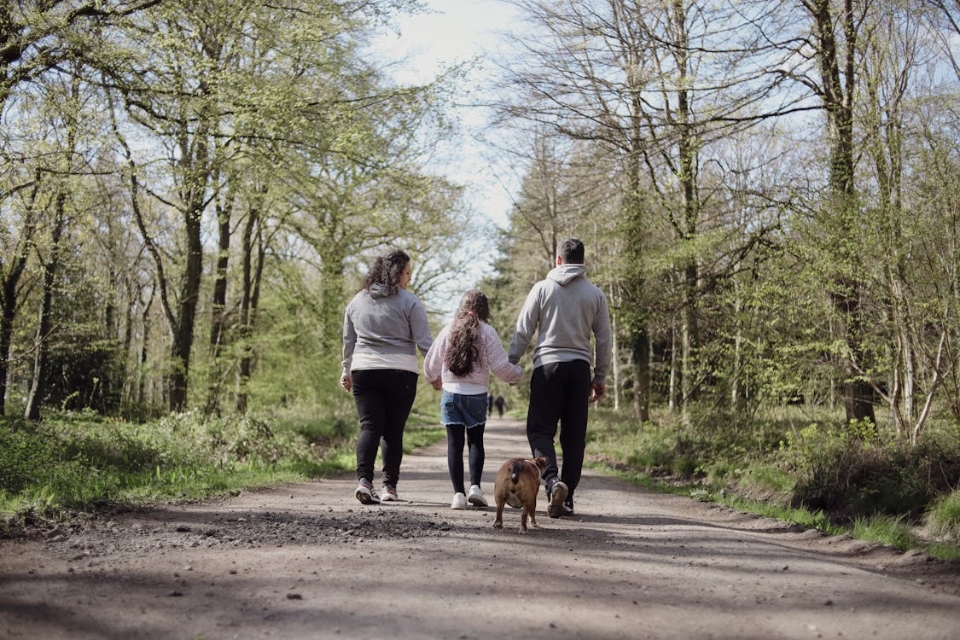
(383, 326)
(464, 354)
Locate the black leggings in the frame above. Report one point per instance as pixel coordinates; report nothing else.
(455, 435)
(384, 398)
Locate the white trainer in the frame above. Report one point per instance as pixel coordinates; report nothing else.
(475, 497)
(459, 501)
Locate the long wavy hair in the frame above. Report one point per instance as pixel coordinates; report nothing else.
(386, 271)
(464, 353)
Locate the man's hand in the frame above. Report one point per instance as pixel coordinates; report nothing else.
(597, 391)
(346, 381)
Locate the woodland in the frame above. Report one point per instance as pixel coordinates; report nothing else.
(768, 190)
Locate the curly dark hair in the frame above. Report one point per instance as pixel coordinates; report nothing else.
(386, 271)
(463, 353)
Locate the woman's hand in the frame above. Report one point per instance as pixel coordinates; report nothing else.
(437, 384)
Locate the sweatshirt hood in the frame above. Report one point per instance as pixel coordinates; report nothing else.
(566, 273)
(378, 290)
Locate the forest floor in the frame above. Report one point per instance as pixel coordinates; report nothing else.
(308, 561)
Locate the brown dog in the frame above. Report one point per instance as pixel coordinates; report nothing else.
(517, 485)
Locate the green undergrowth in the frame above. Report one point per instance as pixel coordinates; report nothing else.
(801, 467)
(73, 464)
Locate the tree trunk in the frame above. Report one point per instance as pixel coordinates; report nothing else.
(615, 387)
(10, 289)
(218, 324)
(634, 283)
(195, 165)
(672, 392)
(252, 271)
(838, 90)
(186, 317)
(144, 352)
(641, 369)
(8, 315)
(688, 342)
(41, 346)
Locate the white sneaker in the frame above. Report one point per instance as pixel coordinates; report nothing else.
(459, 501)
(476, 496)
(388, 493)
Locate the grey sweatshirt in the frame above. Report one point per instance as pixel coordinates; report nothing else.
(386, 324)
(566, 308)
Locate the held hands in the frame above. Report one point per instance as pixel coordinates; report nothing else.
(437, 384)
(597, 391)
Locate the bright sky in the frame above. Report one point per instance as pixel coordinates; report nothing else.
(454, 31)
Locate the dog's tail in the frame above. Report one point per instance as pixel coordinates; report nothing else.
(515, 469)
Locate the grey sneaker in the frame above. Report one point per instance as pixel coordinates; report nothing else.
(558, 493)
(388, 493)
(365, 493)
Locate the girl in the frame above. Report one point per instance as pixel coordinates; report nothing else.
(461, 359)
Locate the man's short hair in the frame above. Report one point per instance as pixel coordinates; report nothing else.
(571, 250)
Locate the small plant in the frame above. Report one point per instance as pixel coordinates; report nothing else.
(943, 517)
(891, 531)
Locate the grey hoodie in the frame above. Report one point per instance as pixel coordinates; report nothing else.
(567, 309)
(378, 321)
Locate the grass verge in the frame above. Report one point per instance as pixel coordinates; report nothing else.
(789, 468)
(75, 464)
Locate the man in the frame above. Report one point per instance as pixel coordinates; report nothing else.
(565, 309)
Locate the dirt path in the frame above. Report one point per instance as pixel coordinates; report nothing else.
(308, 561)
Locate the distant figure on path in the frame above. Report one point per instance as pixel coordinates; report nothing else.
(499, 403)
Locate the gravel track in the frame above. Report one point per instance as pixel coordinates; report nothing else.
(308, 561)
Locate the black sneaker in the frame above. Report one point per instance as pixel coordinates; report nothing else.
(558, 494)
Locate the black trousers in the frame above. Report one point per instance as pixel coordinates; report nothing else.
(384, 398)
(560, 395)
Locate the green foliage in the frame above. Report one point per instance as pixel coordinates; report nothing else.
(80, 461)
(799, 516)
(28, 455)
(943, 517)
(827, 473)
(888, 530)
(841, 473)
(77, 462)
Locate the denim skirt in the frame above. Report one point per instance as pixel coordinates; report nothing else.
(456, 408)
